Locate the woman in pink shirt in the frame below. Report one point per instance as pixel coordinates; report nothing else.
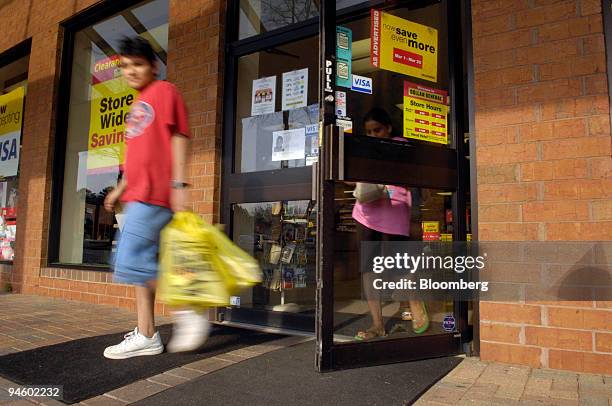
(385, 219)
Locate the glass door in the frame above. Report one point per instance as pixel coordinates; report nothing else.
(393, 169)
(271, 129)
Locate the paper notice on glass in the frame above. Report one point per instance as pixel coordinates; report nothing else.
(289, 144)
(264, 94)
(295, 89)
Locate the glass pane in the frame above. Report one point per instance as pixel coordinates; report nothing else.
(261, 16)
(99, 102)
(13, 80)
(276, 110)
(359, 310)
(281, 236)
(410, 80)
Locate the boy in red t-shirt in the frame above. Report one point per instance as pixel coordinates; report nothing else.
(152, 188)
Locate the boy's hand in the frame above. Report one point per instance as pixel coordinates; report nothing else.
(178, 197)
(111, 199)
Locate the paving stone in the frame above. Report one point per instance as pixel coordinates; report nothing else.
(233, 358)
(167, 379)
(103, 401)
(593, 400)
(264, 348)
(208, 365)
(17, 402)
(137, 391)
(243, 353)
(184, 373)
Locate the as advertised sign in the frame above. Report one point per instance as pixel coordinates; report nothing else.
(11, 117)
(425, 113)
(111, 99)
(403, 46)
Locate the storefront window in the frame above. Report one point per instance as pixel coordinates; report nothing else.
(277, 109)
(99, 102)
(260, 16)
(13, 87)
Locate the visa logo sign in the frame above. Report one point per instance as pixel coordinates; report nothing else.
(361, 84)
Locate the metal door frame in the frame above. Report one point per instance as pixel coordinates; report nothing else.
(345, 158)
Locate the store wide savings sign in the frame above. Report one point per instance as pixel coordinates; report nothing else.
(11, 117)
(402, 46)
(110, 104)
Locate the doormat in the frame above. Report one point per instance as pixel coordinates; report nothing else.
(84, 372)
(288, 377)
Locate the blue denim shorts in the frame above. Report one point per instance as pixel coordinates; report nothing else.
(136, 259)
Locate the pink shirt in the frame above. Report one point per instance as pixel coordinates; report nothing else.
(389, 216)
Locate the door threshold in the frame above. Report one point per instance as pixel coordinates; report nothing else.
(265, 329)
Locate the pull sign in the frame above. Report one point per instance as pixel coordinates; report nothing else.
(362, 84)
(328, 76)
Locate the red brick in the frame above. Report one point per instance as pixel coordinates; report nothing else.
(602, 210)
(514, 354)
(116, 290)
(499, 213)
(497, 174)
(599, 126)
(593, 44)
(500, 333)
(588, 7)
(536, 131)
(510, 153)
(507, 193)
(493, 25)
(538, 170)
(510, 313)
(596, 84)
(505, 117)
(570, 169)
(504, 41)
(600, 167)
(603, 342)
(564, 339)
(550, 90)
(545, 15)
(581, 361)
(549, 52)
(497, 60)
(556, 211)
(580, 318)
(573, 231)
(575, 148)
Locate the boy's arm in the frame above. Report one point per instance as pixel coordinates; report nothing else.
(178, 196)
(113, 196)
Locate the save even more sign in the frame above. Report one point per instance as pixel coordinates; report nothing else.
(11, 117)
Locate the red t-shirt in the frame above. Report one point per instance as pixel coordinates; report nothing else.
(157, 114)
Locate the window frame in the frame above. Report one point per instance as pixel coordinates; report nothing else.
(69, 29)
(11, 55)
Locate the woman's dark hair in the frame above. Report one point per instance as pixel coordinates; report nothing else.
(137, 46)
(378, 114)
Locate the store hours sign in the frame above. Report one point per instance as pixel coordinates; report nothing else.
(11, 117)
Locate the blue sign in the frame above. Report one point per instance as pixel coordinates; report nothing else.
(344, 56)
(449, 323)
(361, 84)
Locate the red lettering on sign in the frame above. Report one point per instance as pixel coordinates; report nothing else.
(437, 115)
(421, 112)
(418, 120)
(438, 133)
(421, 130)
(438, 125)
(407, 58)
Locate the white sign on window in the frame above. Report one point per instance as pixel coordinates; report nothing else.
(264, 96)
(295, 89)
(289, 144)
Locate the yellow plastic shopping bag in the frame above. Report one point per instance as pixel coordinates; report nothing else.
(200, 266)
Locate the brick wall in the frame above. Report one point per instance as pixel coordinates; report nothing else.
(544, 167)
(195, 38)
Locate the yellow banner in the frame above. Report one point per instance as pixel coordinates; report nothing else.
(11, 117)
(425, 113)
(403, 46)
(110, 105)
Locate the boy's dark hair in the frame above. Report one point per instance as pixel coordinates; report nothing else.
(137, 46)
(378, 114)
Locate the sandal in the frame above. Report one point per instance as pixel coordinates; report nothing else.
(425, 326)
(370, 333)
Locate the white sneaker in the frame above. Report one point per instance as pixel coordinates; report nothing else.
(190, 331)
(134, 345)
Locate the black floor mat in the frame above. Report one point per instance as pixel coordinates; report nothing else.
(84, 372)
(287, 377)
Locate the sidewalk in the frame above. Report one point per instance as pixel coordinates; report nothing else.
(30, 321)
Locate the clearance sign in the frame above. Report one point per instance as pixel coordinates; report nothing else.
(110, 104)
(404, 47)
(11, 116)
(425, 113)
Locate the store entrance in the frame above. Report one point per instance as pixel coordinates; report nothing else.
(393, 168)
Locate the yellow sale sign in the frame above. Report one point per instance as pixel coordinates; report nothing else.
(11, 117)
(425, 113)
(403, 46)
(110, 104)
